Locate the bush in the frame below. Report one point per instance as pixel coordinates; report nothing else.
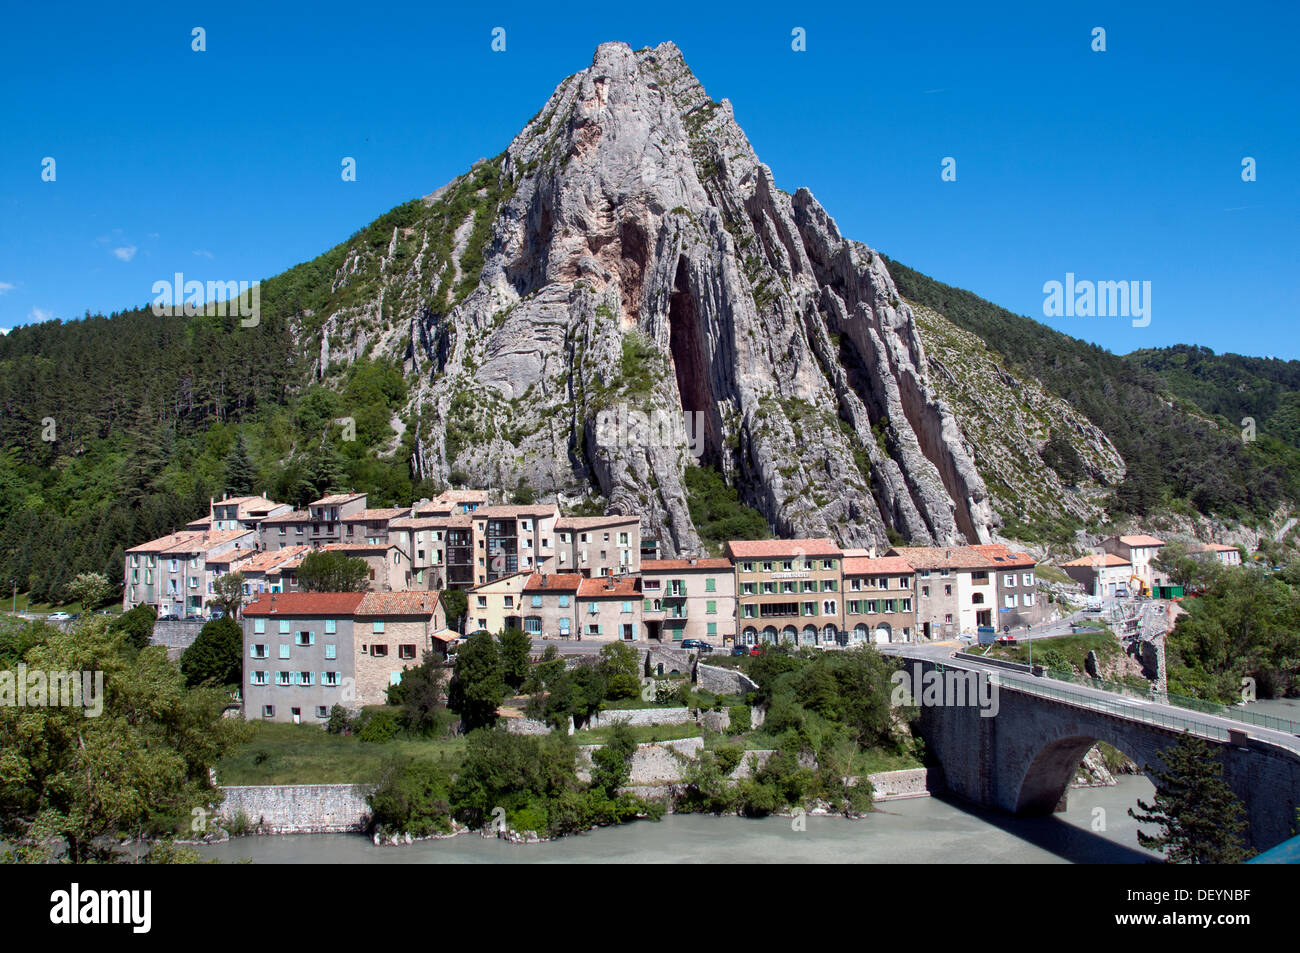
(412, 797)
(741, 718)
(379, 727)
(339, 723)
(216, 657)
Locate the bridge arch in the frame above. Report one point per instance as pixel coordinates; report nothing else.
(1047, 777)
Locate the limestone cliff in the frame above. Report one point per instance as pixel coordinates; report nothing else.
(629, 251)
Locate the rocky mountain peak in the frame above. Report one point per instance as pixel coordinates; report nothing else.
(628, 255)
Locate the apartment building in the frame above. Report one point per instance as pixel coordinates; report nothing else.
(174, 574)
(265, 572)
(511, 539)
(371, 526)
(879, 599)
(299, 655)
(1015, 574)
(788, 590)
(1141, 551)
(609, 608)
(1227, 555)
(452, 503)
(243, 512)
(598, 545)
(393, 631)
(955, 589)
(550, 605)
(496, 606)
(1100, 574)
(690, 598)
(318, 525)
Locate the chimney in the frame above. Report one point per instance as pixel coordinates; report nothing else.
(948, 554)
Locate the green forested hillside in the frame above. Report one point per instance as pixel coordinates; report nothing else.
(1173, 453)
(1231, 386)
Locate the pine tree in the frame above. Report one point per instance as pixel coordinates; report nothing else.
(1202, 821)
(240, 474)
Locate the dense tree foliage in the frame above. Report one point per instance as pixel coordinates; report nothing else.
(333, 571)
(478, 684)
(216, 656)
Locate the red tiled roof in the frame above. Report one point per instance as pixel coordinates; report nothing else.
(1098, 560)
(610, 587)
(685, 565)
(392, 512)
(305, 603)
(190, 541)
(519, 512)
(943, 557)
(1140, 540)
(554, 582)
(337, 499)
(879, 566)
(293, 516)
(571, 523)
(431, 522)
(398, 603)
(772, 548)
(461, 496)
(1005, 557)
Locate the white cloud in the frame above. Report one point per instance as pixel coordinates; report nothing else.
(203, 253)
(125, 254)
(40, 315)
(5, 286)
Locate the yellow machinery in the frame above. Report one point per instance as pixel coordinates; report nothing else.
(1137, 586)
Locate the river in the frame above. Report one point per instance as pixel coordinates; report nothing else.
(916, 831)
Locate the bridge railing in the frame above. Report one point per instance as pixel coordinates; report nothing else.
(1183, 701)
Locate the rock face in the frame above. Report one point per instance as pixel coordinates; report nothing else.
(628, 254)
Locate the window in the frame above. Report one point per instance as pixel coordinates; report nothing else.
(510, 602)
(564, 602)
(283, 680)
(746, 588)
(627, 607)
(828, 564)
(947, 590)
(1009, 580)
(329, 679)
(331, 626)
(322, 711)
(853, 607)
(925, 590)
(306, 638)
(533, 625)
(331, 651)
(711, 629)
(749, 610)
(767, 566)
(482, 602)
(1027, 578)
(828, 607)
(747, 567)
(377, 627)
(284, 650)
(711, 607)
(406, 651)
(1029, 598)
(379, 651)
(537, 602)
(593, 629)
(828, 585)
(768, 589)
(257, 651)
(810, 608)
(710, 585)
(259, 626)
(1009, 600)
(257, 678)
(268, 711)
(306, 678)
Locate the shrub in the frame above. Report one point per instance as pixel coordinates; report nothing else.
(380, 727)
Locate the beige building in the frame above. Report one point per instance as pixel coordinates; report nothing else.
(496, 606)
(511, 539)
(1227, 555)
(598, 545)
(1100, 574)
(393, 631)
(243, 512)
(879, 599)
(788, 590)
(691, 598)
(1140, 550)
(956, 591)
(609, 608)
(1016, 578)
(550, 606)
(318, 525)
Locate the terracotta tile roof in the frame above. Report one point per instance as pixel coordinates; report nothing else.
(432, 522)
(390, 513)
(610, 587)
(942, 557)
(514, 576)
(293, 516)
(1005, 557)
(579, 523)
(867, 553)
(774, 548)
(360, 547)
(338, 499)
(1098, 560)
(433, 509)
(199, 525)
(268, 560)
(1140, 540)
(685, 565)
(191, 541)
(518, 512)
(879, 566)
(461, 496)
(554, 582)
(305, 603)
(398, 603)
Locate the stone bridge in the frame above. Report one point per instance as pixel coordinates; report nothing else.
(1023, 758)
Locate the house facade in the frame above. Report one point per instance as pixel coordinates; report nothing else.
(598, 545)
(299, 656)
(609, 608)
(955, 589)
(690, 598)
(550, 605)
(498, 605)
(1016, 577)
(1141, 552)
(1100, 574)
(879, 600)
(174, 574)
(393, 631)
(788, 590)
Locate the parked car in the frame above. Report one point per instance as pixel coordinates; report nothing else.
(697, 644)
(740, 649)
(755, 650)
(59, 617)
(1006, 640)
(217, 614)
(168, 618)
(194, 617)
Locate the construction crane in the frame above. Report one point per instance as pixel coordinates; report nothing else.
(1136, 585)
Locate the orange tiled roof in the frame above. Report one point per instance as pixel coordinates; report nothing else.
(190, 541)
(398, 603)
(389, 513)
(431, 522)
(571, 523)
(305, 603)
(610, 587)
(774, 548)
(943, 557)
(685, 565)
(879, 566)
(1098, 560)
(1140, 540)
(1004, 556)
(520, 512)
(337, 499)
(554, 582)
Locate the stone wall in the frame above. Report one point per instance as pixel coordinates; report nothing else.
(299, 808)
(907, 783)
(175, 635)
(653, 763)
(641, 716)
(723, 681)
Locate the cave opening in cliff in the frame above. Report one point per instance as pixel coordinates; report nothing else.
(686, 344)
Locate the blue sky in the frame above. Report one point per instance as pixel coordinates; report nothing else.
(1115, 165)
